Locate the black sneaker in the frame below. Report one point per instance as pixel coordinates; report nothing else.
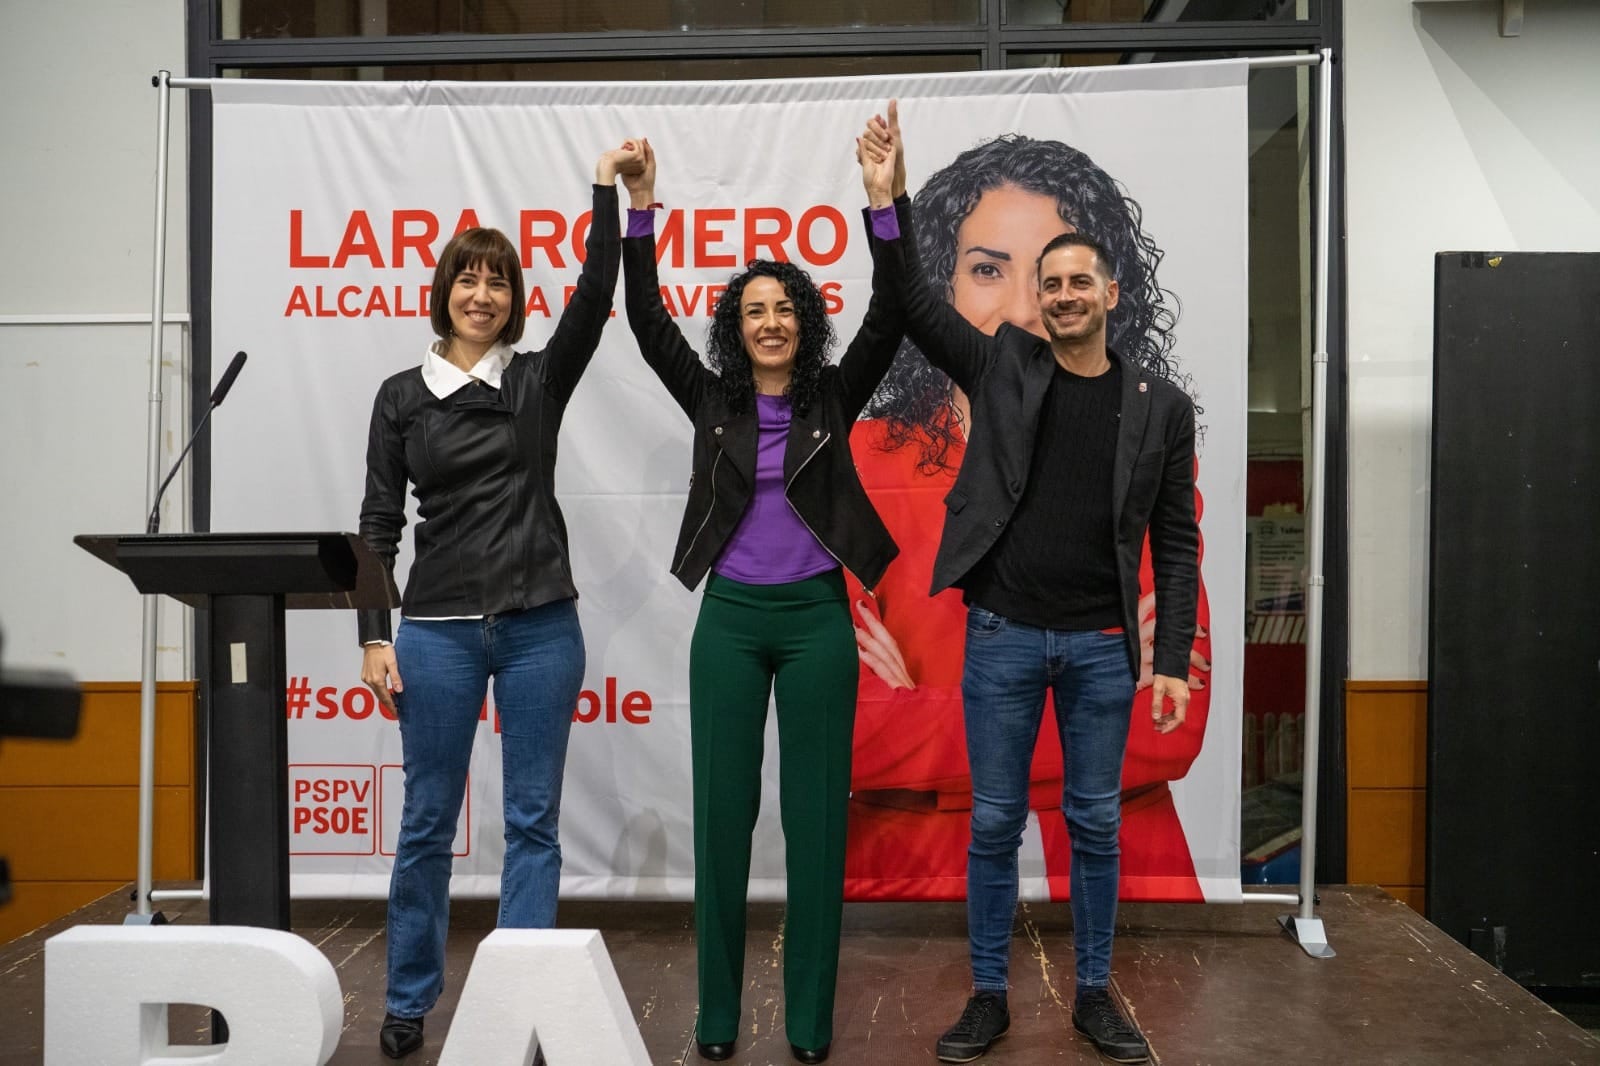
(1097, 1016)
(981, 1024)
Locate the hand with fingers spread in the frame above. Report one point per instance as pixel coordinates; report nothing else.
(1199, 665)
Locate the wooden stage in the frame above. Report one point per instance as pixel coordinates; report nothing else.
(1210, 984)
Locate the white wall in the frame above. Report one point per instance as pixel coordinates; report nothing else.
(1456, 138)
(78, 118)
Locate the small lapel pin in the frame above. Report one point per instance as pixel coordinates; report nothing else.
(1144, 386)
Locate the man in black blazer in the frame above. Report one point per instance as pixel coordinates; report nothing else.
(1073, 455)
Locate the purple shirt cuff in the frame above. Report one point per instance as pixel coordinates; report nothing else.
(885, 224)
(642, 222)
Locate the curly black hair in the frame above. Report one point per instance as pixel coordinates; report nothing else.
(725, 338)
(914, 397)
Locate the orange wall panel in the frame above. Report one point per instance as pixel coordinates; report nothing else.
(69, 809)
(1386, 745)
(1388, 837)
(106, 749)
(92, 834)
(1387, 734)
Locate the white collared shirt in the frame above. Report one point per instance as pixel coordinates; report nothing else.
(443, 377)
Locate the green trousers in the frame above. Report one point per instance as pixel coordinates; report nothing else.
(796, 640)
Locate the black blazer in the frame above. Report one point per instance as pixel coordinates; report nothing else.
(820, 479)
(1005, 377)
(490, 536)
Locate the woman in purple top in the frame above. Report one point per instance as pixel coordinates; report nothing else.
(775, 514)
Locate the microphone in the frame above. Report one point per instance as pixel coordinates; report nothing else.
(218, 394)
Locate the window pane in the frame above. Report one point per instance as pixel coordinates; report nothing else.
(630, 70)
(405, 18)
(1165, 12)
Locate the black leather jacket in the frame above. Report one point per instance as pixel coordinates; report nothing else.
(490, 537)
(820, 479)
(1005, 377)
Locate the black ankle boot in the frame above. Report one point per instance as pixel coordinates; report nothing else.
(802, 1054)
(399, 1037)
(714, 1052)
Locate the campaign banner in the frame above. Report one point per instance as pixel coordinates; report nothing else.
(331, 204)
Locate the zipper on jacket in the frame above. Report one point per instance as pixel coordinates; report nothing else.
(520, 550)
(796, 510)
(711, 507)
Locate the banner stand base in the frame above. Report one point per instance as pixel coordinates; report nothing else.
(1309, 934)
(153, 918)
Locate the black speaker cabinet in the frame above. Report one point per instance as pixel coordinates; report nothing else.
(1514, 612)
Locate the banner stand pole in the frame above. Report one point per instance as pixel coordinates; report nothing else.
(142, 914)
(1304, 926)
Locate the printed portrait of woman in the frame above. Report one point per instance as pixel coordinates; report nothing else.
(980, 223)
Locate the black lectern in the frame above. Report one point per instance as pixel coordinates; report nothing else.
(247, 581)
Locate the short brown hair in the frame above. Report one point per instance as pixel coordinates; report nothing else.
(468, 249)
(1103, 262)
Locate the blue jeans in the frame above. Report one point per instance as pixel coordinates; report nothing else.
(536, 658)
(1009, 666)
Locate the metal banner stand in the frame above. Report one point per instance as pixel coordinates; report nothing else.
(1303, 925)
(142, 914)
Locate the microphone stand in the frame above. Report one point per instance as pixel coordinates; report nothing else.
(218, 394)
(153, 523)
(142, 914)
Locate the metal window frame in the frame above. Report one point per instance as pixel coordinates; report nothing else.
(992, 40)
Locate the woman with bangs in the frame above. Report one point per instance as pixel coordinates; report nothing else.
(775, 516)
(490, 593)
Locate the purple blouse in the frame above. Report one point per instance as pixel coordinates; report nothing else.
(771, 545)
